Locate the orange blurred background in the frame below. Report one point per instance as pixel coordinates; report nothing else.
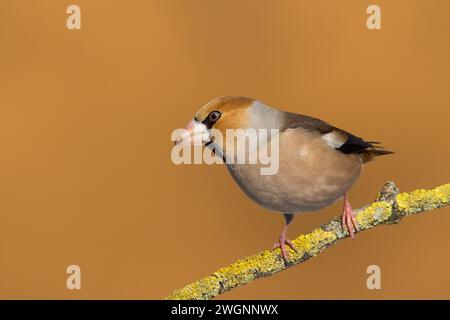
(85, 123)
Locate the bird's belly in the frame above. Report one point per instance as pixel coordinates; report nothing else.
(301, 184)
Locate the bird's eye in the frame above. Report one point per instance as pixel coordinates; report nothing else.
(214, 116)
(211, 119)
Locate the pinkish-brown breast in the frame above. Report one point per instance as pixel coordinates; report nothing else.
(311, 174)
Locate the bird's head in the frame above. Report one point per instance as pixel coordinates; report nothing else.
(219, 114)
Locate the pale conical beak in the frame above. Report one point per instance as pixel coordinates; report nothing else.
(196, 133)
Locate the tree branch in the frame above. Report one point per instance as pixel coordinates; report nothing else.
(389, 207)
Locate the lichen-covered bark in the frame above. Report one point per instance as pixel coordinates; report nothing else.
(389, 207)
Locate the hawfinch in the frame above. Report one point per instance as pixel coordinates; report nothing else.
(318, 163)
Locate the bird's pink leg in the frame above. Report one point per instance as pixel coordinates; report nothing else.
(348, 218)
(284, 240)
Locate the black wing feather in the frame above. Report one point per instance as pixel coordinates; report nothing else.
(354, 144)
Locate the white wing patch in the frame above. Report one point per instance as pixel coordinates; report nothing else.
(333, 140)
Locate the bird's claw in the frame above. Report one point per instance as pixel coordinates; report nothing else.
(349, 221)
(282, 245)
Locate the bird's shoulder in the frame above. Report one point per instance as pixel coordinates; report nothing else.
(293, 120)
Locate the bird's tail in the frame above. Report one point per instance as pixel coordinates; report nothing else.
(375, 150)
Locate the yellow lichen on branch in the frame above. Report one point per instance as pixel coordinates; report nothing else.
(389, 207)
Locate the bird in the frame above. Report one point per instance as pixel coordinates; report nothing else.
(318, 162)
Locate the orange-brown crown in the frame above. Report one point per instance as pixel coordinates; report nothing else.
(233, 112)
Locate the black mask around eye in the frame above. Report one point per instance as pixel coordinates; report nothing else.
(212, 118)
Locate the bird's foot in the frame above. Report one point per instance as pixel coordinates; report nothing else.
(282, 245)
(348, 219)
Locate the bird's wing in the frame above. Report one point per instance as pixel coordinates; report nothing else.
(336, 138)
